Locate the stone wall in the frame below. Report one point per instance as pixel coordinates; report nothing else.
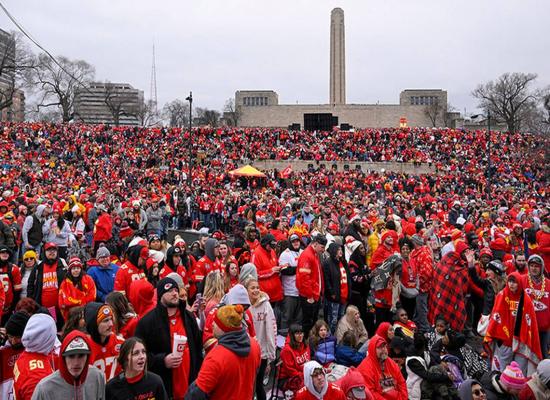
(301, 165)
(357, 115)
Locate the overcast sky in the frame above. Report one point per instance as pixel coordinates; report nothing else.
(215, 47)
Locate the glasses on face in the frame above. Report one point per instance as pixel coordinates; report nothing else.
(478, 392)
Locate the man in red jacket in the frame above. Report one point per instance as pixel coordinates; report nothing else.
(229, 369)
(543, 241)
(309, 280)
(267, 264)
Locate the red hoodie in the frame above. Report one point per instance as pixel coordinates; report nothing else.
(385, 383)
(270, 282)
(293, 360)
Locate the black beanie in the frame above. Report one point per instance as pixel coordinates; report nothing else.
(164, 286)
(16, 324)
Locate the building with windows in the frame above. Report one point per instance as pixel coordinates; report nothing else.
(108, 103)
(416, 107)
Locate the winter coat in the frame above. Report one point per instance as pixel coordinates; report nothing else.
(70, 295)
(333, 276)
(104, 279)
(153, 329)
(34, 288)
(309, 276)
(348, 323)
(325, 351)
(269, 281)
(154, 219)
(229, 369)
(265, 326)
(348, 356)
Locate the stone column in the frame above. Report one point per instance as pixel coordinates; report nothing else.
(337, 57)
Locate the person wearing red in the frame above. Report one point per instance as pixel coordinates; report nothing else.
(421, 259)
(35, 362)
(133, 269)
(309, 280)
(173, 264)
(104, 342)
(161, 329)
(10, 352)
(267, 264)
(450, 286)
(10, 278)
(229, 369)
(45, 280)
(77, 289)
(317, 386)
(207, 263)
(294, 355)
(382, 375)
(103, 229)
(512, 334)
(388, 246)
(537, 286)
(543, 242)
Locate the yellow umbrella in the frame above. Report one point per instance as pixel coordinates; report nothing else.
(248, 171)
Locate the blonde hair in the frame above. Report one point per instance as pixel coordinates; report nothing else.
(214, 286)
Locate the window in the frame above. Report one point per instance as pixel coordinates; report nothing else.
(265, 101)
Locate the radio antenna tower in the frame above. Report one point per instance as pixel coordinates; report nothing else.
(153, 89)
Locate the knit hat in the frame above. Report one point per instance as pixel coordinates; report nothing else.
(29, 254)
(535, 258)
(165, 285)
(229, 318)
(512, 377)
(417, 240)
(460, 247)
(496, 266)
(177, 278)
(498, 244)
(102, 252)
(5, 249)
(486, 252)
(103, 313)
(74, 262)
(248, 271)
(125, 230)
(16, 324)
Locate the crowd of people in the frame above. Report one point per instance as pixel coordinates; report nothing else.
(319, 284)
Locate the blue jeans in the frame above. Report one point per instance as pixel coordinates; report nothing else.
(421, 314)
(334, 312)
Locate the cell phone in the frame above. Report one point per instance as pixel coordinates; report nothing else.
(199, 298)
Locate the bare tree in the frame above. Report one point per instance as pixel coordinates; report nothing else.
(176, 113)
(120, 102)
(434, 111)
(57, 84)
(232, 113)
(16, 60)
(145, 113)
(446, 115)
(207, 117)
(509, 98)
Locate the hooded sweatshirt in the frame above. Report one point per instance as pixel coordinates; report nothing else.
(329, 391)
(465, 389)
(35, 362)
(169, 266)
(353, 379)
(265, 326)
(208, 263)
(129, 271)
(62, 385)
(229, 369)
(265, 260)
(383, 379)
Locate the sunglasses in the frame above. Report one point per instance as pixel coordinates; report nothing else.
(478, 392)
(28, 259)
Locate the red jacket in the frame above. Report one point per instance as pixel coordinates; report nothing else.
(224, 375)
(543, 240)
(383, 385)
(309, 276)
(103, 230)
(71, 296)
(105, 357)
(269, 281)
(29, 369)
(126, 274)
(423, 262)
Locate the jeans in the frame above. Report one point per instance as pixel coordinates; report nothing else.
(421, 314)
(291, 314)
(544, 343)
(334, 311)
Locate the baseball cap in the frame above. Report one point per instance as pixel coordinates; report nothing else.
(50, 245)
(293, 237)
(77, 346)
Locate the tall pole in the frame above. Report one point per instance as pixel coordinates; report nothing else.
(189, 175)
(488, 154)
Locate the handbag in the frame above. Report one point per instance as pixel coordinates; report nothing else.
(483, 324)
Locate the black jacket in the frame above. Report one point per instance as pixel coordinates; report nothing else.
(6, 236)
(154, 330)
(331, 271)
(149, 387)
(34, 288)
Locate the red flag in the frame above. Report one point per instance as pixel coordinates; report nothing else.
(285, 173)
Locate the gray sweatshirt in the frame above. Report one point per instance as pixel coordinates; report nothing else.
(54, 387)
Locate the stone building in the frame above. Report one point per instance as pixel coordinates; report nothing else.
(416, 107)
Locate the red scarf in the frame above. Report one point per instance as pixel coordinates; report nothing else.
(514, 322)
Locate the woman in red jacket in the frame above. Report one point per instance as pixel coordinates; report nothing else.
(294, 355)
(266, 262)
(77, 289)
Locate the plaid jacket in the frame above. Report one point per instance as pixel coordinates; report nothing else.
(449, 289)
(422, 260)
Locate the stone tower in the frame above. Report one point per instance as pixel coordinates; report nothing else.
(337, 57)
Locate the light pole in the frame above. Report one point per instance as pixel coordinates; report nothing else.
(189, 175)
(488, 154)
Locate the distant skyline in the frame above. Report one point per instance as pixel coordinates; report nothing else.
(217, 47)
